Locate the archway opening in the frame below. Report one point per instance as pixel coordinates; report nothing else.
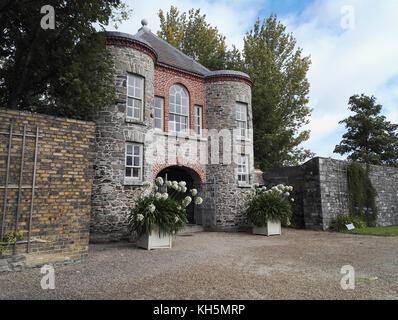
(177, 173)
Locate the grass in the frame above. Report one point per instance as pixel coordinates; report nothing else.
(378, 231)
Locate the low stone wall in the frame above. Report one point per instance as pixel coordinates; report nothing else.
(62, 198)
(323, 182)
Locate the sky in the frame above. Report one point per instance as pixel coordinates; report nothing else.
(353, 46)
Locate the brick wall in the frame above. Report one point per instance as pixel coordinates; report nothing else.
(166, 77)
(62, 199)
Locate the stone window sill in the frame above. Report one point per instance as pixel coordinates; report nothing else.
(132, 182)
(133, 121)
(244, 186)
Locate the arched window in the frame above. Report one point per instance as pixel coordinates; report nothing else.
(179, 108)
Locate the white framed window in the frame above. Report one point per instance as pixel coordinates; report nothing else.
(198, 120)
(158, 119)
(241, 120)
(179, 109)
(133, 164)
(135, 94)
(243, 168)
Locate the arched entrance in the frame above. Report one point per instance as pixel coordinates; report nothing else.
(178, 173)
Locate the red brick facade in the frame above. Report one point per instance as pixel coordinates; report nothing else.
(166, 77)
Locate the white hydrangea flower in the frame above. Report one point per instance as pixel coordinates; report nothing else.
(140, 217)
(182, 183)
(187, 200)
(256, 185)
(194, 192)
(287, 194)
(159, 181)
(169, 184)
(165, 196)
(198, 200)
(158, 196)
(152, 208)
(175, 185)
(177, 218)
(292, 200)
(183, 189)
(147, 185)
(179, 208)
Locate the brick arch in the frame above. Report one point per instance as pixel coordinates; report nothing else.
(200, 172)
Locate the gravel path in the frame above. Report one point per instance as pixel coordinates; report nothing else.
(297, 265)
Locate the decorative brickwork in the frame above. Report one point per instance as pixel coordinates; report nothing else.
(61, 206)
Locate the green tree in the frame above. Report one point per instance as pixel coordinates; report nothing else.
(65, 71)
(191, 34)
(369, 137)
(280, 94)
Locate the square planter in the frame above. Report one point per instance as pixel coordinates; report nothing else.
(154, 241)
(272, 228)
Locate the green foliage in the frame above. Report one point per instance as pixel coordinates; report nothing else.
(362, 195)
(165, 216)
(66, 71)
(379, 231)
(190, 33)
(11, 237)
(339, 224)
(369, 137)
(273, 204)
(280, 94)
(166, 210)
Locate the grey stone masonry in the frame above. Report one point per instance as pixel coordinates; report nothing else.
(325, 190)
(113, 194)
(222, 98)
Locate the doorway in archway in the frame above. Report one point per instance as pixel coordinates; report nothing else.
(178, 173)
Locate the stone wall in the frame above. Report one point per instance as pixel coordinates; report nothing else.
(61, 207)
(113, 194)
(222, 97)
(323, 182)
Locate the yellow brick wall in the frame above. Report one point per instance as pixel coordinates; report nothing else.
(64, 174)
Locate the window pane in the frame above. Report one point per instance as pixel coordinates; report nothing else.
(136, 150)
(128, 172)
(130, 102)
(130, 91)
(129, 161)
(129, 111)
(136, 172)
(136, 161)
(137, 113)
(129, 149)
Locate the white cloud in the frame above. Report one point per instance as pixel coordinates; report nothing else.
(347, 62)
(232, 18)
(344, 62)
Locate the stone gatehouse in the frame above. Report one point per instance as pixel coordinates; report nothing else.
(176, 119)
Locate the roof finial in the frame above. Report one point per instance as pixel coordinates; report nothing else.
(144, 22)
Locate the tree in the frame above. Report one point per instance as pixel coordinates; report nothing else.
(369, 138)
(65, 71)
(280, 94)
(196, 38)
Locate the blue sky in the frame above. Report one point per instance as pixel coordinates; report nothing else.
(353, 46)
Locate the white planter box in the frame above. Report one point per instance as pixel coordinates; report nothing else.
(154, 241)
(272, 228)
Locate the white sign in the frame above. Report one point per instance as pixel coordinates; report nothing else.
(350, 226)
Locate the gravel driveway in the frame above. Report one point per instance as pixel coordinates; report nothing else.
(297, 265)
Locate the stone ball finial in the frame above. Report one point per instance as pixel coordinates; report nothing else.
(144, 22)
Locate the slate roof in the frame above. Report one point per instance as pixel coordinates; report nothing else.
(171, 56)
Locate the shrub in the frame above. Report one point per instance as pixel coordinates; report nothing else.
(339, 224)
(166, 210)
(270, 204)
